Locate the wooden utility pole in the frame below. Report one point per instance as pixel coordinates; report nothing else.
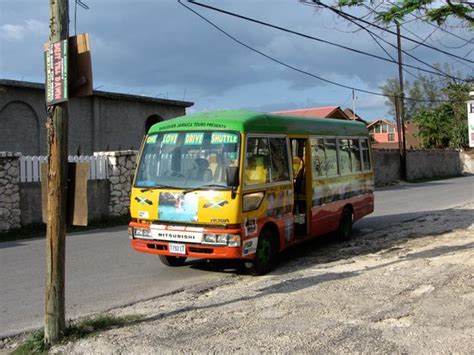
(400, 103)
(54, 315)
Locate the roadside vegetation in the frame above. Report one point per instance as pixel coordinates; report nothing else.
(76, 330)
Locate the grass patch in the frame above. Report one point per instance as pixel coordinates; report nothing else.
(75, 330)
(38, 230)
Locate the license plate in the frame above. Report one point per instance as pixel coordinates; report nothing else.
(177, 248)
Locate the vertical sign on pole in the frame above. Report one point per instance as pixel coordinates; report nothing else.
(56, 59)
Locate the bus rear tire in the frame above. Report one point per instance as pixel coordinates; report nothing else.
(172, 260)
(344, 231)
(265, 257)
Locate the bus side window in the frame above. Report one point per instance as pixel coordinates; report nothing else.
(318, 157)
(331, 157)
(355, 155)
(365, 154)
(279, 153)
(257, 161)
(344, 156)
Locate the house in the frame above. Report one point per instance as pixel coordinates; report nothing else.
(411, 134)
(103, 121)
(354, 116)
(320, 112)
(384, 134)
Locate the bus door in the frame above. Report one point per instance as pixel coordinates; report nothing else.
(301, 181)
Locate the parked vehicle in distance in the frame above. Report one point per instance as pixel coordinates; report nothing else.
(245, 185)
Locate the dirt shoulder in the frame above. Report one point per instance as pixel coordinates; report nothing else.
(406, 289)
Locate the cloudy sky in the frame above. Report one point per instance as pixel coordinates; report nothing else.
(158, 48)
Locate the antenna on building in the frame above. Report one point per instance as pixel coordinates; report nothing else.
(353, 105)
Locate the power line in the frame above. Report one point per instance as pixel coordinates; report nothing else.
(390, 56)
(423, 40)
(372, 34)
(394, 33)
(295, 68)
(314, 38)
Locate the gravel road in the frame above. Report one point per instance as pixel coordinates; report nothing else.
(406, 289)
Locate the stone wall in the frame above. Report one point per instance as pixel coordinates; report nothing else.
(121, 170)
(9, 191)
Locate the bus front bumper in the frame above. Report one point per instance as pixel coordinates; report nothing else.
(147, 244)
(199, 251)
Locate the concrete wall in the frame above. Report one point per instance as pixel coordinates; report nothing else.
(30, 203)
(104, 121)
(429, 164)
(386, 166)
(98, 197)
(421, 164)
(467, 161)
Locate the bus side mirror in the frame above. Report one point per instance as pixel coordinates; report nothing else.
(232, 176)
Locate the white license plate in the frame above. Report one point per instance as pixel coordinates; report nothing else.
(177, 248)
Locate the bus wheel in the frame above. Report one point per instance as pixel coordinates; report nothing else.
(172, 260)
(265, 257)
(345, 225)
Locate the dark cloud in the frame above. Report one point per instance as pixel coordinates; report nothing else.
(158, 47)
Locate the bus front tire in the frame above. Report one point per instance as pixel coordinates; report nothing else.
(344, 231)
(172, 260)
(265, 257)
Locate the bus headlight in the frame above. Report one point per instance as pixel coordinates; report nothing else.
(142, 232)
(231, 240)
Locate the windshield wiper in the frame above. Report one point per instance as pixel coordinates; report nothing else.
(204, 187)
(148, 188)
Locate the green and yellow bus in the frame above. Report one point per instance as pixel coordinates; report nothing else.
(245, 185)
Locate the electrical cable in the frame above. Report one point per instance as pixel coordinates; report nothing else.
(372, 34)
(315, 38)
(297, 69)
(84, 6)
(392, 32)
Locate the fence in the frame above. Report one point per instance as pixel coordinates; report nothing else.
(30, 170)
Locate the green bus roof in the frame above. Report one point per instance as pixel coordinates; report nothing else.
(256, 122)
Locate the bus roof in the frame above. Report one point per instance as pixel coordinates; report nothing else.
(256, 122)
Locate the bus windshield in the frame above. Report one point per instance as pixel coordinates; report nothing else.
(188, 160)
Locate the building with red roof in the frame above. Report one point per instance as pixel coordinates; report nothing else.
(319, 112)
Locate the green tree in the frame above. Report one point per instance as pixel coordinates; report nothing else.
(434, 11)
(434, 126)
(444, 125)
(421, 92)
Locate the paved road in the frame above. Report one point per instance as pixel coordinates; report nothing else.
(102, 271)
(405, 202)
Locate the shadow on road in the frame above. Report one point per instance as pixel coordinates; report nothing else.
(326, 249)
